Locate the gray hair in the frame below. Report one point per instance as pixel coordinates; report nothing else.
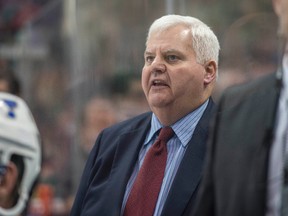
(204, 42)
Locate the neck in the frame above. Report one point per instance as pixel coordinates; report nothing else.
(168, 116)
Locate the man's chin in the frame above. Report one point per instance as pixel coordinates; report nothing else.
(158, 103)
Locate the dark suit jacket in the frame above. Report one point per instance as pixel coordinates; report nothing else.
(235, 173)
(112, 160)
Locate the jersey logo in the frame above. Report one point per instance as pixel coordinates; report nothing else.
(7, 107)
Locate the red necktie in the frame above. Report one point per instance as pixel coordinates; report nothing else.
(144, 193)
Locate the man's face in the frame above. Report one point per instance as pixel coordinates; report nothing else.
(281, 9)
(171, 77)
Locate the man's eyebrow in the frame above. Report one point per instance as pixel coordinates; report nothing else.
(165, 51)
(148, 53)
(171, 51)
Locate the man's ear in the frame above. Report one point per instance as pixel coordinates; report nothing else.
(210, 72)
(8, 184)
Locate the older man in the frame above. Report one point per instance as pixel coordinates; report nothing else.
(126, 174)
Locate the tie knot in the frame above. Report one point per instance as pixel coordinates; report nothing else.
(166, 133)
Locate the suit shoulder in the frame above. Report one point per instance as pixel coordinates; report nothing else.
(132, 123)
(251, 89)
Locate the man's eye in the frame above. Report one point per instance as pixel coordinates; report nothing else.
(172, 58)
(149, 58)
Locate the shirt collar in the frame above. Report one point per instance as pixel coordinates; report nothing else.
(183, 128)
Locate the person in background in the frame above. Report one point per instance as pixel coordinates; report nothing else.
(97, 114)
(20, 155)
(178, 77)
(245, 172)
(9, 82)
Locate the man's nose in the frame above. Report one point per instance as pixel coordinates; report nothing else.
(158, 65)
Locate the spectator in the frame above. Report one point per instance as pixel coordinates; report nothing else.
(9, 82)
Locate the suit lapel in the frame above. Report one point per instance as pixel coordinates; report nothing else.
(126, 156)
(188, 175)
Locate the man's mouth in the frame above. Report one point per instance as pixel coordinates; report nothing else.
(158, 83)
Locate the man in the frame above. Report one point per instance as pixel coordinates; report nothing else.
(244, 173)
(177, 78)
(20, 155)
